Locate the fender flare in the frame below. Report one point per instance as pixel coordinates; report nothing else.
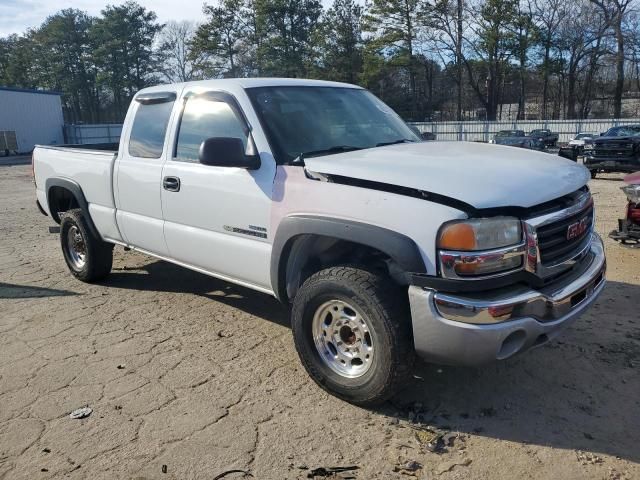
(402, 249)
(76, 191)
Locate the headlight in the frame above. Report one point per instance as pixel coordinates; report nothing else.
(480, 234)
(632, 192)
(479, 247)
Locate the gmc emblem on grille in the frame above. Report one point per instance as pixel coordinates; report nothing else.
(576, 229)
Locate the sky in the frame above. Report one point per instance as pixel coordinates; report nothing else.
(16, 16)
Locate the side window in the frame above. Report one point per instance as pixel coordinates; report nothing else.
(149, 129)
(204, 118)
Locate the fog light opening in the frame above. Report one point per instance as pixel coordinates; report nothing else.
(578, 298)
(512, 344)
(542, 339)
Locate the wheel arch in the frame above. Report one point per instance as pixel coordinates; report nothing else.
(63, 190)
(300, 239)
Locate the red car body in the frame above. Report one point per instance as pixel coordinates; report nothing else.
(629, 227)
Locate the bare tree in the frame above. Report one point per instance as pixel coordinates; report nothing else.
(525, 34)
(615, 12)
(549, 15)
(446, 22)
(178, 64)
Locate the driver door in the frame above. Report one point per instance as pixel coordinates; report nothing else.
(216, 217)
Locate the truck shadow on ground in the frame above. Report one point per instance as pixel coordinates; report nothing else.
(580, 392)
(159, 276)
(10, 290)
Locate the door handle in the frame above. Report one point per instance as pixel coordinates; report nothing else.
(171, 184)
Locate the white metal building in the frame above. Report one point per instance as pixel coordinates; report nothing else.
(34, 115)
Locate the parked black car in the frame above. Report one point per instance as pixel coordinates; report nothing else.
(512, 138)
(545, 136)
(617, 150)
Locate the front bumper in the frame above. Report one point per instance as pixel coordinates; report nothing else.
(625, 164)
(480, 328)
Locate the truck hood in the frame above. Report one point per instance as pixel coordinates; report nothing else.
(481, 175)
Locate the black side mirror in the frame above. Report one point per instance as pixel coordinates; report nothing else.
(226, 152)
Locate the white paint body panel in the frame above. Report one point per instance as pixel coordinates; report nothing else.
(295, 194)
(484, 176)
(137, 184)
(212, 198)
(196, 217)
(92, 170)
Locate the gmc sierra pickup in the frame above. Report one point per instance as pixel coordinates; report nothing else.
(617, 150)
(319, 194)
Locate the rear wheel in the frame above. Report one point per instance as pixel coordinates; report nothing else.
(351, 328)
(89, 258)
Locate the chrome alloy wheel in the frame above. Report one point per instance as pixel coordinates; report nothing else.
(343, 339)
(76, 247)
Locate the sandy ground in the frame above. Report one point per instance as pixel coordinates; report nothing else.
(193, 377)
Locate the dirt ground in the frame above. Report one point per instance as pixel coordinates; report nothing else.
(189, 377)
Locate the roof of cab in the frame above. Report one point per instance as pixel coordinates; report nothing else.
(253, 83)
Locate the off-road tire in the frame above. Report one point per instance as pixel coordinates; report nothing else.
(98, 256)
(384, 305)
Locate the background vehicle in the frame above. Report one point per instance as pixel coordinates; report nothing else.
(617, 150)
(309, 191)
(575, 147)
(512, 138)
(581, 139)
(545, 136)
(422, 135)
(629, 227)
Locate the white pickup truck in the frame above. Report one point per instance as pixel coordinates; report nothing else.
(319, 194)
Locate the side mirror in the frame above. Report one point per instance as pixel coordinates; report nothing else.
(226, 152)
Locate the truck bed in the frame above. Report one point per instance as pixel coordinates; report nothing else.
(90, 167)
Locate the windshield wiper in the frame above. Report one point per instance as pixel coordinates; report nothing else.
(315, 153)
(402, 140)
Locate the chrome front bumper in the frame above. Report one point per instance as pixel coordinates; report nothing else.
(473, 329)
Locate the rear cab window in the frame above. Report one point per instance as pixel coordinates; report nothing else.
(150, 125)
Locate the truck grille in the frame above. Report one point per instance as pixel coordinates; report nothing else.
(613, 149)
(555, 242)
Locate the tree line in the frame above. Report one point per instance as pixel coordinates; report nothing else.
(428, 59)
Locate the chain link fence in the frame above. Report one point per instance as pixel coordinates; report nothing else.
(484, 131)
(92, 133)
(479, 131)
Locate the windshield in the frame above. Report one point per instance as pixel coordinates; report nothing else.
(540, 132)
(308, 121)
(581, 136)
(625, 131)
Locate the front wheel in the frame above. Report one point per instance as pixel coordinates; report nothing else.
(89, 258)
(351, 329)
(594, 173)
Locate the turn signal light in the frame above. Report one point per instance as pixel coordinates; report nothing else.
(458, 236)
(480, 234)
